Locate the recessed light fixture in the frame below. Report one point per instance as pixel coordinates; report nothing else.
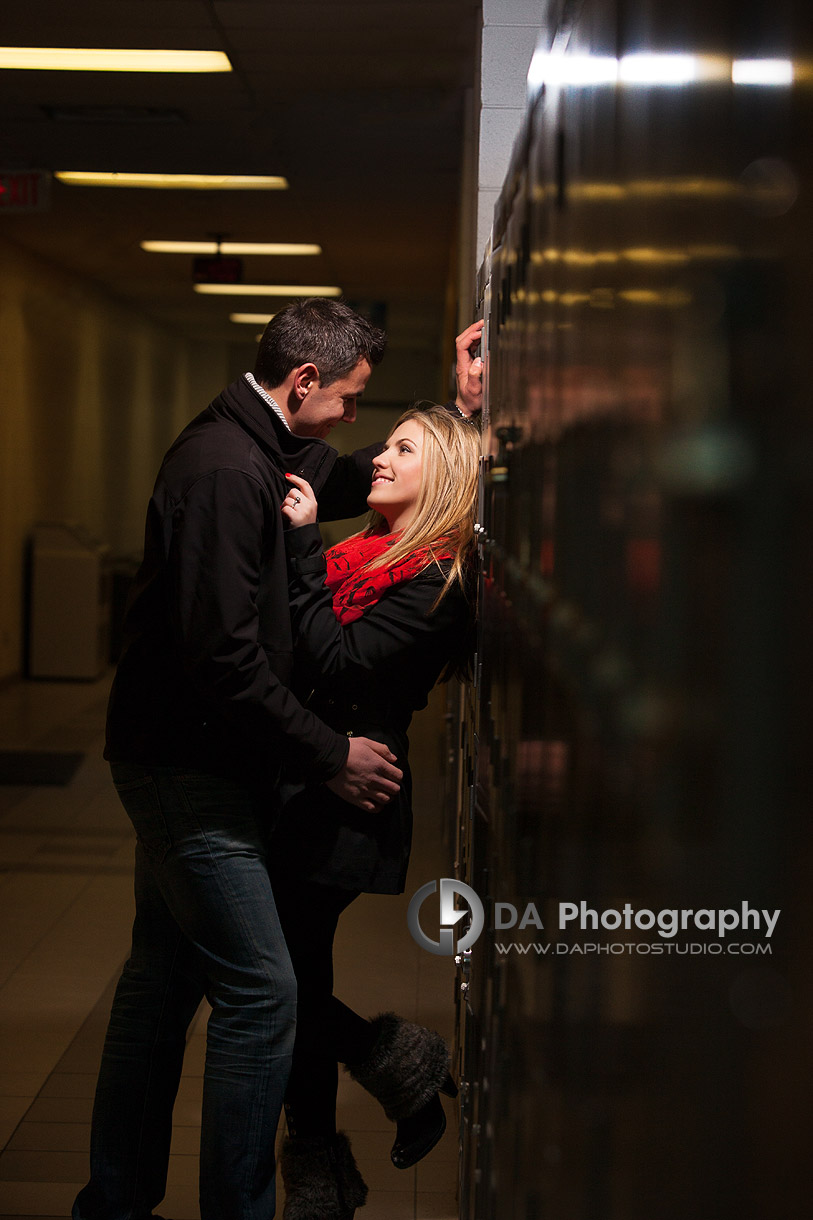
(251, 319)
(229, 247)
(92, 59)
(267, 290)
(175, 182)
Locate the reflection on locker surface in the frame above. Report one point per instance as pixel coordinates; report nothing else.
(639, 727)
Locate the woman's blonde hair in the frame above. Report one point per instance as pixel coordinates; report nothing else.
(443, 521)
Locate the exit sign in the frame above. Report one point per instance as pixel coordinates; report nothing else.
(25, 190)
(217, 270)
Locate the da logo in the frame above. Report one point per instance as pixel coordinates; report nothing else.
(446, 946)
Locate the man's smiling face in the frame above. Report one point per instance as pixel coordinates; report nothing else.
(323, 407)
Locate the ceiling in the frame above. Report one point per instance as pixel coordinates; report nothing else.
(360, 104)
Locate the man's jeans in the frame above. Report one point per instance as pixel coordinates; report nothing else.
(206, 924)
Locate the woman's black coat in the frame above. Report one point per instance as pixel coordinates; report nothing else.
(363, 679)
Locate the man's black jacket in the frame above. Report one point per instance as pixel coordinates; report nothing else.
(204, 677)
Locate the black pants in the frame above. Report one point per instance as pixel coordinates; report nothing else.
(327, 1031)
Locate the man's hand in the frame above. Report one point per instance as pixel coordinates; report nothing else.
(368, 779)
(469, 370)
(299, 506)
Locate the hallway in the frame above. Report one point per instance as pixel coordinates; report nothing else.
(66, 909)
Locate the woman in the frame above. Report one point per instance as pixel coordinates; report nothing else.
(377, 620)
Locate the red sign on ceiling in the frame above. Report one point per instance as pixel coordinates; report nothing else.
(25, 190)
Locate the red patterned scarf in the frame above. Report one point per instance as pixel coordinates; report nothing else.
(355, 590)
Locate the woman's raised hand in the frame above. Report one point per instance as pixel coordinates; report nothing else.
(299, 506)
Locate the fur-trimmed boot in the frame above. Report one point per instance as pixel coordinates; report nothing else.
(321, 1178)
(406, 1070)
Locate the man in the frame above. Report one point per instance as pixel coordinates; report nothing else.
(200, 721)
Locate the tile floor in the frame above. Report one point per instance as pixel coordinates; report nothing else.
(65, 913)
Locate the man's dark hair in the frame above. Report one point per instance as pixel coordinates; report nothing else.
(326, 333)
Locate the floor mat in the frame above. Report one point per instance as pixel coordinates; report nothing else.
(50, 768)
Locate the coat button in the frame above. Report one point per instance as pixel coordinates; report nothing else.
(354, 707)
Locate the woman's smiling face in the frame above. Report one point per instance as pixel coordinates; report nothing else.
(397, 475)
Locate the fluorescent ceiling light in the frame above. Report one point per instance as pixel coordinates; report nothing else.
(229, 247)
(252, 319)
(762, 72)
(267, 290)
(86, 59)
(175, 182)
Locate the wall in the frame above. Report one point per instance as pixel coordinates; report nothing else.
(510, 32)
(92, 394)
